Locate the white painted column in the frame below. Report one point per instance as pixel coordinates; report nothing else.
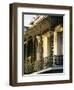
(55, 44)
(45, 49)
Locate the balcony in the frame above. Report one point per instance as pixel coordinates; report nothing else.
(51, 65)
(47, 64)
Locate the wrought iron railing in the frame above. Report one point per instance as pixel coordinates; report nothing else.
(37, 65)
(51, 61)
(58, 60)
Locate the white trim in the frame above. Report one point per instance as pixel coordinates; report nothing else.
(47, 77)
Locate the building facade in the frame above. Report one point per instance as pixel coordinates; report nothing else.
(43, 43)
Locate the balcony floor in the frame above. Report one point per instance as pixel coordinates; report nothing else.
(54, 69)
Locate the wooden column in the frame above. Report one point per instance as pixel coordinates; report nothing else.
(33, 48)
(41, 51)
(26, 49)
